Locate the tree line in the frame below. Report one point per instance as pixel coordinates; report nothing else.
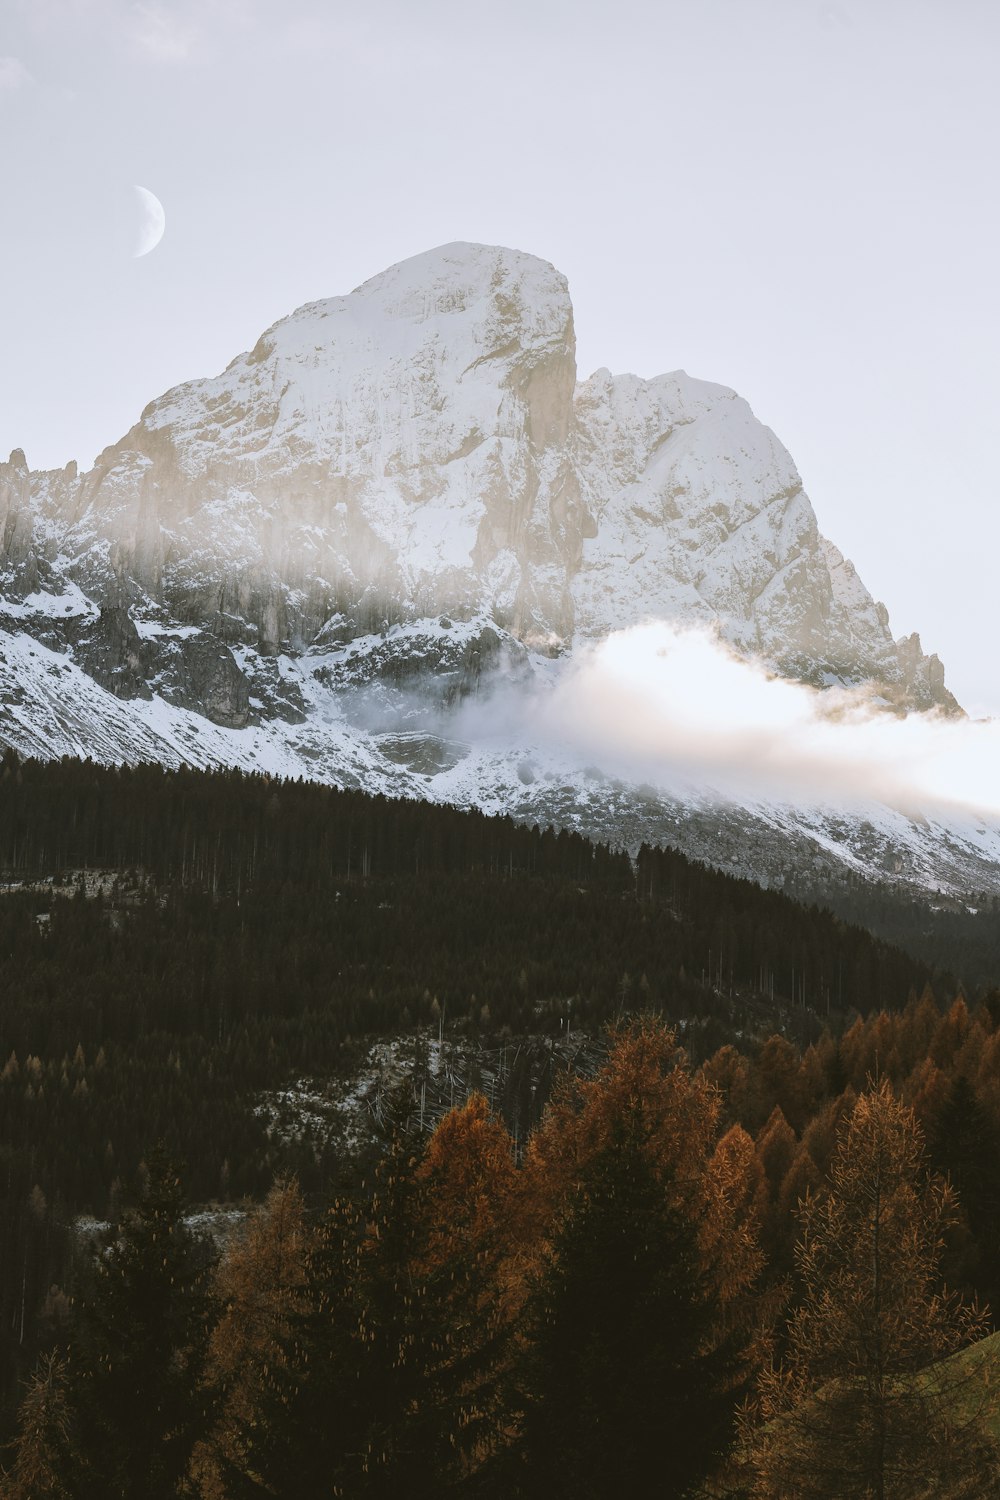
(592, 1319)
(175, 944)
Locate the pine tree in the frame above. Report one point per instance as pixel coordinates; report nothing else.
(45, 1448)
(627, 1387)
(470, 1240)
(863, 1405)
(386, 1381)
(431, 1320)
(139, 1348)
(635, 1336)
(965, 1145)
(305, 1434)
(260, 1291)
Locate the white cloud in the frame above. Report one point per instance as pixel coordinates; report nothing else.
(672, 706)
(13, 74)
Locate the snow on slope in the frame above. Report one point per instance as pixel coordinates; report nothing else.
(422, 445)
(397, 450)
(50, 708)
(398, 497)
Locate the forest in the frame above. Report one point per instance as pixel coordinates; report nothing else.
(637, 1256)
(613, 1311)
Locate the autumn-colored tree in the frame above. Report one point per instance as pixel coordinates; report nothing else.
(385, 1381)
(813, 1081)
(820, 1136)
(680, 1117)
(776, 1145)
(633, 1337)
(307, 1433)
(468, 1177)
(918, 1024)
(434, 1306)
(45, 1448)
(799, 1181)
(779, 1071)
(986, 1073)
(862, 1405)
(925, 1090)
(729, 1071)
(260, 1291)
(471, 1260)
(950, 1034)
(855, 1053)
(775, 1149)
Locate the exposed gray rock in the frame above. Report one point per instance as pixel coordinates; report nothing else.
(111, 650)
(209, 680)
(422, 449)
(923, 675)
(414, 672)
(18, 562)
(192, 671)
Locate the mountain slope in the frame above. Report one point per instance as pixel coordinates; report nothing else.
(422, 446)
(396, 501)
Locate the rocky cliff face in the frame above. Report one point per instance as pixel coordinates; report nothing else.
(701, 515)
(17, 554)
(422, 446)
(399, 500)
(374, 458)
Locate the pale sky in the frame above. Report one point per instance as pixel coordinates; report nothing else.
(797, 198)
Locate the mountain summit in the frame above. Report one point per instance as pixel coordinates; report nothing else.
(397, 500)
(423, 446)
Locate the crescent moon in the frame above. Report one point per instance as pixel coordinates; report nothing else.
(153, 223)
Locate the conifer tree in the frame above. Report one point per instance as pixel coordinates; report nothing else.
(965, 1146)
(304, 1436)
(139, 1347)
(260, 1291)
(387, 1379)
(626, 1385)
(635, 1332)
(865, 1403)
(45, 1447)
(470, 1244)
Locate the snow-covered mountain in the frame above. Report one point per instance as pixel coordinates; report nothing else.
(398, 498)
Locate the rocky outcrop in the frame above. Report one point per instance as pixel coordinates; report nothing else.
(192, 671)
(17, 553)
(111, 651)
(923, 676)
(415, 672)
(382, 456)
(422, 448)
(209, 681)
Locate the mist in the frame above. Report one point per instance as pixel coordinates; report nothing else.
(673, 706)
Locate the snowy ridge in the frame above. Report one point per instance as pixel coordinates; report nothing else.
(423, 446)
(402, 499)
(49, 708)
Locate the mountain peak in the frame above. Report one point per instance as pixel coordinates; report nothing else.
(467, 264)
(469, 294)
(421, 446)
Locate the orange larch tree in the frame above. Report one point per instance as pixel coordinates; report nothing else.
(865, 1403)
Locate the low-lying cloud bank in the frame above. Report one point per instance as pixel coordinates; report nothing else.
(673, 706)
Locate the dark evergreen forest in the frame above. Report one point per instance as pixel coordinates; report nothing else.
(227, 933)
(174, 943)
(962, 937)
